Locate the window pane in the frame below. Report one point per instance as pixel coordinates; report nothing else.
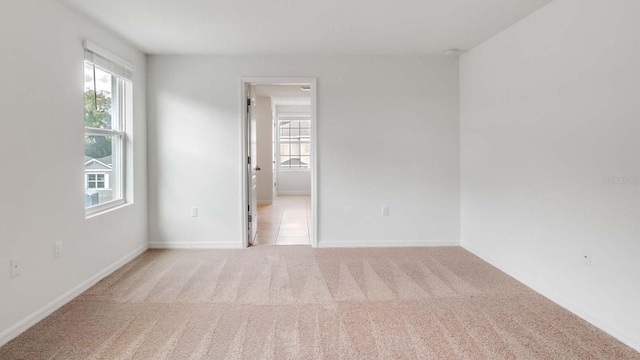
(305, 149)
(295, 149)
(305, 161)
(284, 127)
(98, 98)
(97, 147)
(101, 156)
(284, 162)
(284, 149)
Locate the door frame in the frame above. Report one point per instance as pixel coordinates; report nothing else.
(251, 80)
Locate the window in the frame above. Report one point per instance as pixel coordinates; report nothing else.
(107, 109)
(294, 141)
(95, 181)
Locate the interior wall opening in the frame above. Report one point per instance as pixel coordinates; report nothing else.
(280, 119)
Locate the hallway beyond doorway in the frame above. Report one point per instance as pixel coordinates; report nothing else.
(287, 221)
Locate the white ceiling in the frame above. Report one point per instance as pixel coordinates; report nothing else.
(297, 27)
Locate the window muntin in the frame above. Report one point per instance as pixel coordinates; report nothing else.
(107, 99)
(294, 142)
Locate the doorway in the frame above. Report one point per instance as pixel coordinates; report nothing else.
(284, 221)
(279, 158)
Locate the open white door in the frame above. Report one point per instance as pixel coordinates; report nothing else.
(252, 168)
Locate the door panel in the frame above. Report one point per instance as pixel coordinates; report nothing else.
(252, 167)
(254, 173)
(273, 156)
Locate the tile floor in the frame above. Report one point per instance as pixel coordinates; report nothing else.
(285, 222)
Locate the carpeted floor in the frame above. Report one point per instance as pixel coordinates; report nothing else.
(276, 302)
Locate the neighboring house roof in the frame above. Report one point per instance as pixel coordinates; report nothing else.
(294, 162)
(99, 163)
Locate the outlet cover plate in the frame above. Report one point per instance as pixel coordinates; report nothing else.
(57, 249)
(15, 267)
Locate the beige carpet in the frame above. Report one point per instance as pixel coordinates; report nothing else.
(293, 302)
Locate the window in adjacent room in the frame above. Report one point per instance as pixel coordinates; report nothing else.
(294, 141)
(107, 109)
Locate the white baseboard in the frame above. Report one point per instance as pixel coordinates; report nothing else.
(265, 202)
(563, 302)
(56, 304)
(386, 243)
(196, 245)
(294, 193)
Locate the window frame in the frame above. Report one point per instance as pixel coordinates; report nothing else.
(121, 100)
(303, 117)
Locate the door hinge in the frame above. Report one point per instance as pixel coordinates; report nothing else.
(248, 207)
(248, 102)
(250, 218)
(249, 160)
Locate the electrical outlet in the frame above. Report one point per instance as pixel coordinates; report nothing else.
(57, 249)
(586, 257)
(194, 212)
(385, 210)
(15, 267)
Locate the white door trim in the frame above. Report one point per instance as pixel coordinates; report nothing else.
(312, 82)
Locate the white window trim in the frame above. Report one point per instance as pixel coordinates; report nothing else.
(277, 126)
(119, 173)
(102, 208)
(108, 55)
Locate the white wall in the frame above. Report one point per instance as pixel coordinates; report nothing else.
(549, 108)
(293, 109)
(42, 122)
(296, 182)
(395, 143)
(264, 124)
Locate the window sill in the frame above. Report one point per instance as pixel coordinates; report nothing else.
(104, 208)
(295, 170)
